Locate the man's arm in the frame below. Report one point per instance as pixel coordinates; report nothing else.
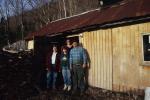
(84, 57)
(70, 59)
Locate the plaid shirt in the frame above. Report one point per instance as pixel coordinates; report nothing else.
(78, 56)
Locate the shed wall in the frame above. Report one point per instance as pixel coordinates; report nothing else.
(115, 55)
(99, 47)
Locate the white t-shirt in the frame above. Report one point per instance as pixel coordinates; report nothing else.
(53, 57)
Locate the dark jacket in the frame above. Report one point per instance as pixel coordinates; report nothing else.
(49, 60)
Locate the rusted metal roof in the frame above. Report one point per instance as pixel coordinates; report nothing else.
(125, 10)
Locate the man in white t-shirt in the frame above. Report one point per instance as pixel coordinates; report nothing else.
(53, 67)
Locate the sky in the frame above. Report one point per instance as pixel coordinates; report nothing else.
(0, 1)
(27, 6)
(2, 8)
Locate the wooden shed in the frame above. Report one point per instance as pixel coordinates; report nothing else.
(117, 39)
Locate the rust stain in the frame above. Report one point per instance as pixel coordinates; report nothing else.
(146, 68)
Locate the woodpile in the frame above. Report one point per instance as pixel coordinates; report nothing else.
(17, 83)
(16, 79)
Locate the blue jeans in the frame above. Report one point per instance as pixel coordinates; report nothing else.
(78, 78)
(66, 76)
(51, 78)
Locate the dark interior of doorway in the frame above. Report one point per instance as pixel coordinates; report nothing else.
(43, 45)
(60, 41)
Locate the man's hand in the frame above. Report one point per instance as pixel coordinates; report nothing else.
(88, 65)
(84, 65)
(47, 69)
(70, 67)
(59, 70)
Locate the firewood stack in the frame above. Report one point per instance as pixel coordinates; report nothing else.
(16, 79)
(17, 82)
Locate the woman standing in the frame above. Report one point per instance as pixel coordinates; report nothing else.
(65, 69)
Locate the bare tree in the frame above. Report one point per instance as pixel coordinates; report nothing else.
(18, 7)
(64, 6)
(79, 6)
(44, 11)
(5, 14)
(1, 11)
(40, 12)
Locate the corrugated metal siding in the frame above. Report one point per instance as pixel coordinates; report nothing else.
(116, 56)
(98, 45)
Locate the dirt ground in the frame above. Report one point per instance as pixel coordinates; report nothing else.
(17, 83)
(90, 94)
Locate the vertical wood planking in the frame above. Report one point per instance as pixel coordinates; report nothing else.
(115, 46)
(99, 60)
(127, 61)
(98, 45)
(105, 58)
(102, 60)
(145, 70)
(95, 58)
(110, 60)
(118, 47)
(92, 59)
(89, 47)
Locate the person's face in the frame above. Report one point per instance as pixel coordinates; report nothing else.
(54, 49)
(75, 44)
(64, 50)
(68, 42)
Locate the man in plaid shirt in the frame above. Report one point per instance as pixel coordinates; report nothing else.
(78, 59)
